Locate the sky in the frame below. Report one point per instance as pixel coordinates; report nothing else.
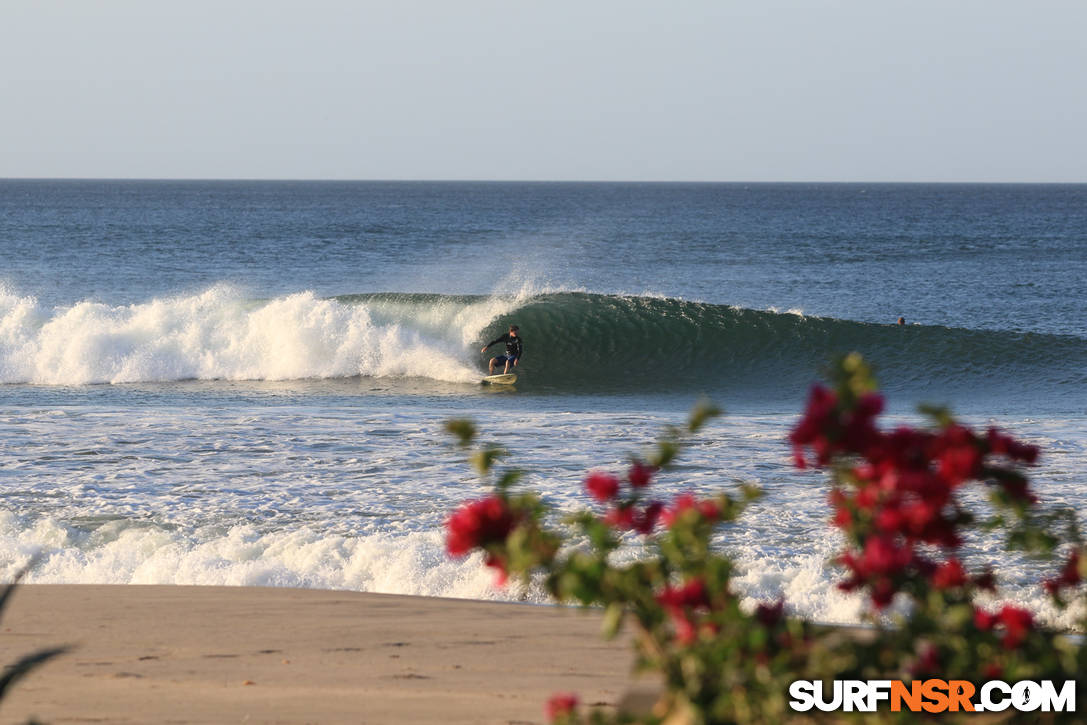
(684, 90)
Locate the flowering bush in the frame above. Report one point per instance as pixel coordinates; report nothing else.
(897, 497)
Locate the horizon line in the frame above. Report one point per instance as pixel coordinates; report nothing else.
(527, 181)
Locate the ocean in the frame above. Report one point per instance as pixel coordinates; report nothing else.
(244, 383)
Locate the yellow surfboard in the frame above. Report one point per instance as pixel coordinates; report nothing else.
(507, 379)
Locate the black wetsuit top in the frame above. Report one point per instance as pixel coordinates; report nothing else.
(514, 346)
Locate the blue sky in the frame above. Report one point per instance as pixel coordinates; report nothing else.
(958, 90)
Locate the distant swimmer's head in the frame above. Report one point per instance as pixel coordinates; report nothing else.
(514, 329)
(902, 320)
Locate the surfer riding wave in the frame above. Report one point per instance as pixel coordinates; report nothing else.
(514, 349)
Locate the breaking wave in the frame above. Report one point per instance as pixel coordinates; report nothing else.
(573, 341)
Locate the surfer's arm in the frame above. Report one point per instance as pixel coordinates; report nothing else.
(489, 344)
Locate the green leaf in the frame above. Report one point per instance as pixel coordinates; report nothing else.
(666, 453)
(703, 412)
(462, 429)
(25, 665)
(939, 414)
(613, 620)
(484, 458)
(508, 479)
(9, 589)
(853, 377)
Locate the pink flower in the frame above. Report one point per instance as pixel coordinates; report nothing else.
(602, 486)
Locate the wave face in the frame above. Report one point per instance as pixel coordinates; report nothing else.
(573, 342)
(647, 343)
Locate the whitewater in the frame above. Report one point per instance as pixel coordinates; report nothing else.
(220, 335)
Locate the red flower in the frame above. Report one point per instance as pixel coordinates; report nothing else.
(959, 457)
(928, 662)
(685, 629)
(843, 518)
(1017, 624)
(828, 429)
(1005, 445)
(631, 518)
(950, 574)
(986, 580)
(770, 614)
(882, 560)
(882, 592)
(645, 523)
(707, 509)
(983, 620)
(919, 515)
(561, 704)
(602, 486)
(1069, 575)
(640, 474)
(890, 520)
(477, 524)
(883, 556)
(691, 594)
(620, 517)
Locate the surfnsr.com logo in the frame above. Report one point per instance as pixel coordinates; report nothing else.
(933, 696)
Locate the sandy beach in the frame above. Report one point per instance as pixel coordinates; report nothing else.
(177, 654)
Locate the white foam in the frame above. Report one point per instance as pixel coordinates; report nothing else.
(354, 496)
(406, 562)
(122, 553)
(218, 334)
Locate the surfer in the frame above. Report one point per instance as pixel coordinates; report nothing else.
(514, 348)
(901, 321)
